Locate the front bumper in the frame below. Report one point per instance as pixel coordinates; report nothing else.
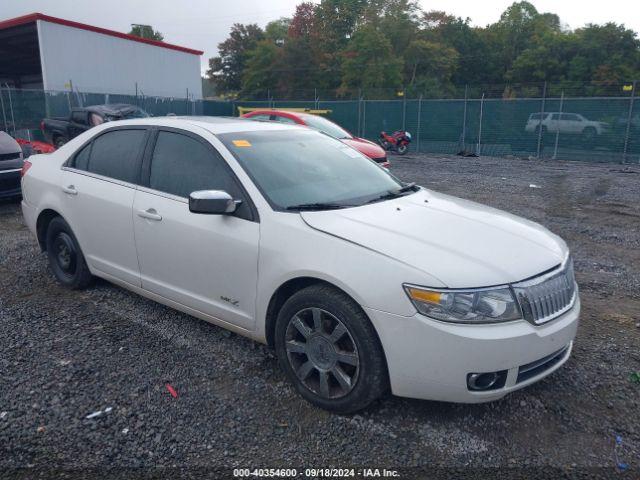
(10, 183)
(430, 360)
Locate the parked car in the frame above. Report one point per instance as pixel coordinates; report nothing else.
(60, 130)
(565, 123)
(35, 146)
(10, 166)
(370, 149)
(283, 234)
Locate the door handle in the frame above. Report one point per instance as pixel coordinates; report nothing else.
(150, 214)
(71, 190)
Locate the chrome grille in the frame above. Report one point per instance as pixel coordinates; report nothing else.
(548, 296)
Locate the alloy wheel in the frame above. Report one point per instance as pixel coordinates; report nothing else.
(322, 353)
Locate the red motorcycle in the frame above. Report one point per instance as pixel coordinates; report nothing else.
(398, 141)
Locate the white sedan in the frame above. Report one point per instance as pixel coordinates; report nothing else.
(360, 282)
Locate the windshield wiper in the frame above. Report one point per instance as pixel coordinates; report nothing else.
(406, 187)
(395, 193)
(318, 206)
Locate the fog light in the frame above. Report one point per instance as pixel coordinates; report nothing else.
(486, 381)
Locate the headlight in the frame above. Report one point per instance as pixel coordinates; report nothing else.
(465, 306)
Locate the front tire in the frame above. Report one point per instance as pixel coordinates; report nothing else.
(329, 350)
(65, 257)
(402, 149)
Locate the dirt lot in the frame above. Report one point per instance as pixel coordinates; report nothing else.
(68, 354)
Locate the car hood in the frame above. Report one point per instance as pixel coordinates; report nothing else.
(365, 147)
(461, 243)
(8, 144)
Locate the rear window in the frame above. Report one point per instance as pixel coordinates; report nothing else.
(116, 154)
(81, 161)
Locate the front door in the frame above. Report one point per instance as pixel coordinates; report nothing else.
(206, 262)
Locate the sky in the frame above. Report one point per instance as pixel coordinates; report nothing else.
(202, 24)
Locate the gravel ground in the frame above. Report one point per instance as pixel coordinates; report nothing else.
(68, 354)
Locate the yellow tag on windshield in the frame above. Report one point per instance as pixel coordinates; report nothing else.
(241, 143)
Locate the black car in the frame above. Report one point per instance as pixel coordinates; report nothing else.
(59, 131)
(11, 160)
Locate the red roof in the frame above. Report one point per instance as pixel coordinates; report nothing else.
(32, 17)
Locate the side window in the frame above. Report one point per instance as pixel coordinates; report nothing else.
(281, 119)
(79, 117)
(81, 160)
(181, 165)
(116, 154)
(259, 117)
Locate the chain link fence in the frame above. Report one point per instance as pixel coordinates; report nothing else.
(569, 122)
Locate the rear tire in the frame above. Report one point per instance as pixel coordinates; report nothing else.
(402, 149)
(329, 350)
(65, 257)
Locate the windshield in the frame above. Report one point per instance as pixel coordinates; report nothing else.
(304, 167)
(325, 126)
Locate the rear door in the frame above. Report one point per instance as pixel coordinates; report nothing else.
(206, 262)
(553, 123)
(99, 185)
(571, 123)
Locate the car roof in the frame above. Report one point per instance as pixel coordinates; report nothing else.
(215, 125)
(275, 111)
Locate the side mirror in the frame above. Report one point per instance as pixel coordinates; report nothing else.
(212, 202)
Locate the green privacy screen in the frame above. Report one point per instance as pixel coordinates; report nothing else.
(601, 129)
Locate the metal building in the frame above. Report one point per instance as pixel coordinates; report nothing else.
(42, 52)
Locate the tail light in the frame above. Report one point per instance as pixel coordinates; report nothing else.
(25, 167)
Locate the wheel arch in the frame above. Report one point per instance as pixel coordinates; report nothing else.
(42, 224)
(289, 288)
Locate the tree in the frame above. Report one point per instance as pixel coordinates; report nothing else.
(146, 31)
(607, 53)
(398, 19)
(259, 75)
(518, 28)
(226, 70)
(547, 59)
(430, 60)
(278, 30)
(337, 45)
(369, 62)
(476, 62)
(335, 22)
(303, 21)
